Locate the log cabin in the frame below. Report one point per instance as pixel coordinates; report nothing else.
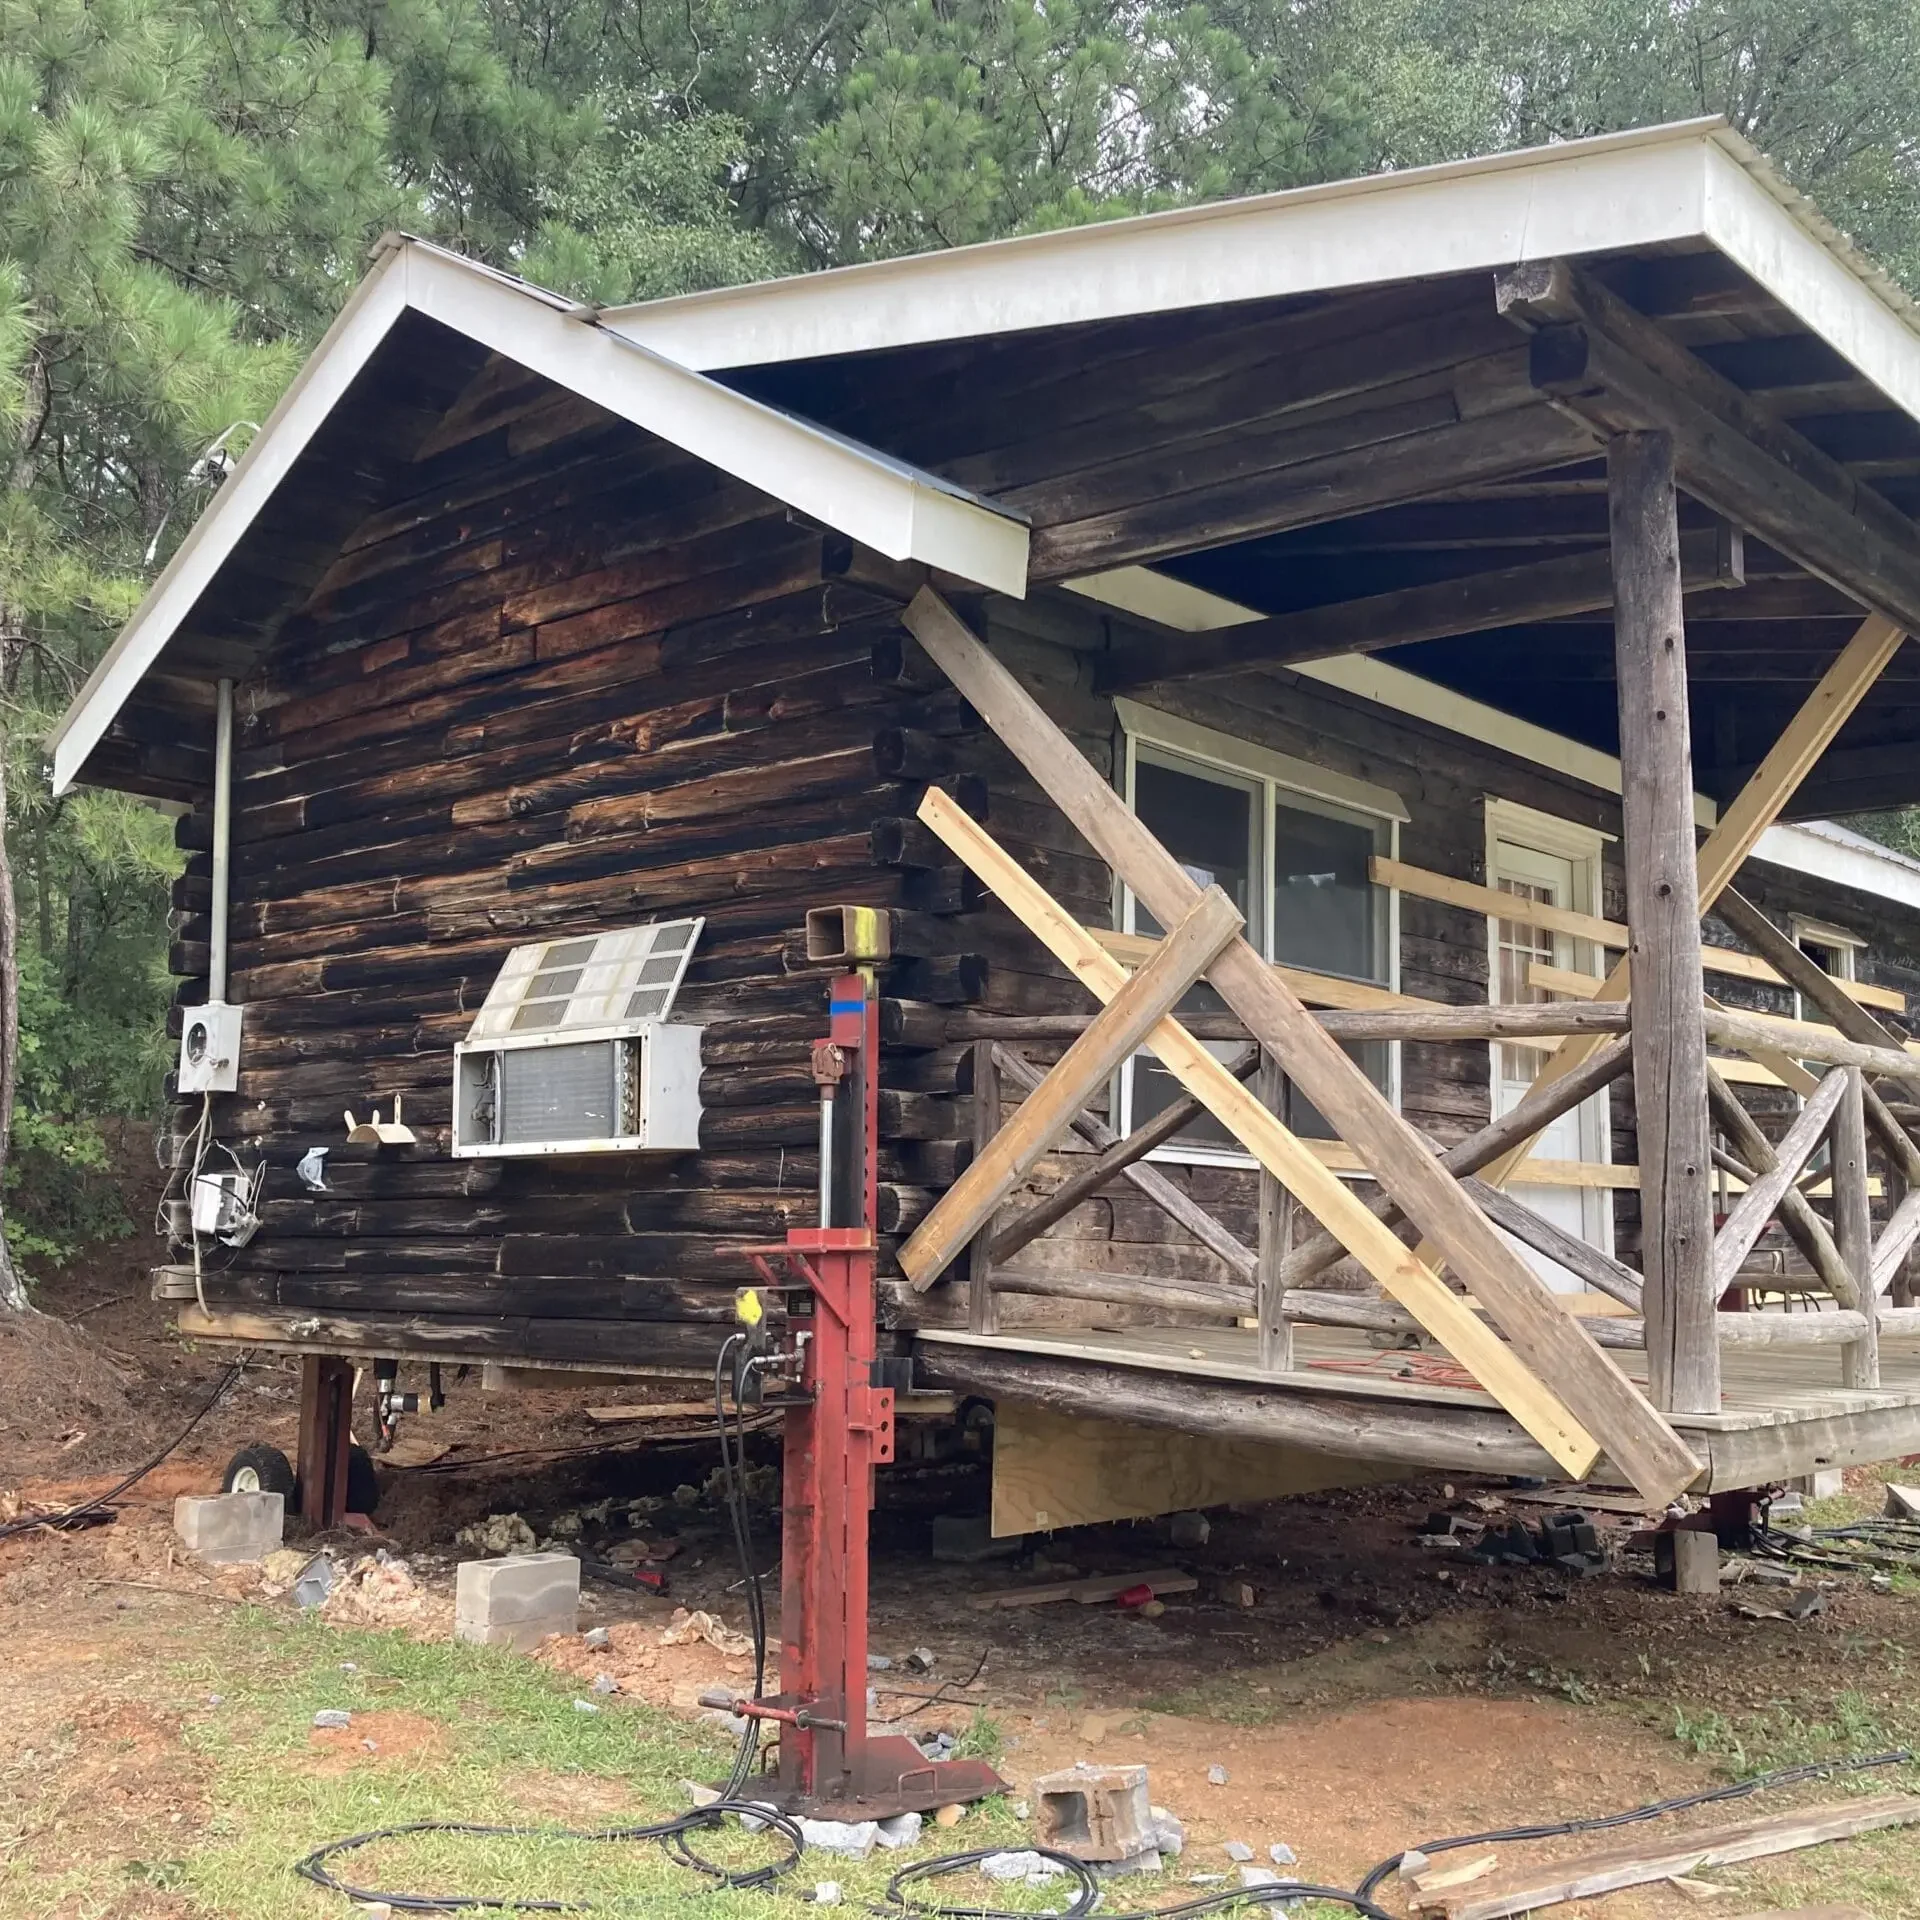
(1489, 579)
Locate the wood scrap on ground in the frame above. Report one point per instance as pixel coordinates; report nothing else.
(656, 1410)
(1089, 1592)
(1838, 1912)
(1435, 1880)
(1520, 1889)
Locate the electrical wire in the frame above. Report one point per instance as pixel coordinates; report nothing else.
(671, 1834)
(200, 1142)
(733, 1473)
(1086, 1897)
(71, 1516)
(1654, 1810)
(941, 1696)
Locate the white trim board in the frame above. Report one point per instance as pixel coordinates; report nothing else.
(1820, 850)
(877, 500)
(1694, 181)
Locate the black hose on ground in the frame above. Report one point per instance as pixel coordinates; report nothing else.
(672, 1834)
(88, 1509)
(1654, 1810)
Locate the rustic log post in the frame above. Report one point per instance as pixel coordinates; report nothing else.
(983, 1312)
(325, 1438)
(1276, 1237)
(1663, 912)
(1853, 1226)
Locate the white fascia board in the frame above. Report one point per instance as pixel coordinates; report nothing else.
(1879, 873)
(315, 391)
(884, 504)
(1172, 603)
(1636, 189)
(896, 510)
(1780, 240)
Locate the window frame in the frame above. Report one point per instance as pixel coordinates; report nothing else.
(1276, 779)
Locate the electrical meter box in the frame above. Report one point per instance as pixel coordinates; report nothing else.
(573, 1051)
(210, 1048)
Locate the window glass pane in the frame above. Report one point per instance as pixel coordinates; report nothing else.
(1327, 917)
(1208, 826)
(1325, 913)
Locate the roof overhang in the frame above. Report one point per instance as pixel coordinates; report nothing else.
(1691, 183)
(870, 497)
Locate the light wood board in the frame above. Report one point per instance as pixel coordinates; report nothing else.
(1053, 1469)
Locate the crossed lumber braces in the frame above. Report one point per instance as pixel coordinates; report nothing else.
(1758, 805)
(1547, 1373)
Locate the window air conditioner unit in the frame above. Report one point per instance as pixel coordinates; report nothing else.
(573, 1051)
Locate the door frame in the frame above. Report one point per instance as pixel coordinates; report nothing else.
(1508, 823)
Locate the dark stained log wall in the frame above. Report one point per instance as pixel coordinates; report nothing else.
(561, 679)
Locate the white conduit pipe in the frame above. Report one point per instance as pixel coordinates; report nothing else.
(222, 840)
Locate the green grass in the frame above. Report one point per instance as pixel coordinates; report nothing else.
(1789, 1735)
(498, 1742)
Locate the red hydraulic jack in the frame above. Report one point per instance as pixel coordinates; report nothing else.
(839, 1426)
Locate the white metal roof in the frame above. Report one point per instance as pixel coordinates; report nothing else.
(879, 501)
(1690, 183)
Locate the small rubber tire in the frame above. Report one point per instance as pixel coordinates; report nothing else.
(262, 1469)
(363, 1483)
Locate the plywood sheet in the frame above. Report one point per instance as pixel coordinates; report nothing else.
(1055, 1469)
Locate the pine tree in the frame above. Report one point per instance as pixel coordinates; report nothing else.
(185, 192)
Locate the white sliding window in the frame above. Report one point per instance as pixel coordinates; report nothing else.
(1289, 843)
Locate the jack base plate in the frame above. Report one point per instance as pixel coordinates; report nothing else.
(890, 1775)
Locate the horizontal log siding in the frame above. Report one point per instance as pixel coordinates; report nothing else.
(567, 679)
(564, 684)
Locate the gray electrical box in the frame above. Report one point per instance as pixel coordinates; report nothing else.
(210, 1048)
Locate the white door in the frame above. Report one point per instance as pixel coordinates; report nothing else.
(1552, 880)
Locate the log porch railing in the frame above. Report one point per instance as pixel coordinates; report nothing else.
(1269, 1283)
(1512, 1335)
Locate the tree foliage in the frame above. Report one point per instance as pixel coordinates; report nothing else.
(188, 189)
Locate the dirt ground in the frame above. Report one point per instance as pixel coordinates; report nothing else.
(1377, 1692)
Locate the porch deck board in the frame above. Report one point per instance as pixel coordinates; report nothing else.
(1760, 1387)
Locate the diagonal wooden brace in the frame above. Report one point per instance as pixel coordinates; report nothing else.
(1086, 1066)
(1752, 1159)
(1752, 811)
(1119, 1156)
(1751, 1212)
(1603, 1401)
(1441, 1311)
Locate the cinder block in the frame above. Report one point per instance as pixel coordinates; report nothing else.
(516, 1601)
(1094, 1813)
(1825, 1484)
(1687, 1560)
(228, 1529)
